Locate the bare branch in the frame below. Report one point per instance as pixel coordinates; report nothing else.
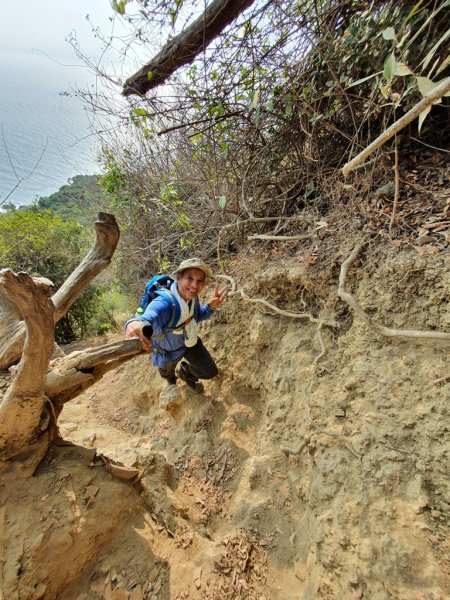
(281, 238)
(183, 48)
(97, 259)
(70, 374)
(436, 93)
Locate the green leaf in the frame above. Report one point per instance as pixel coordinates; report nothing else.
(363, 80)
(425, 85)
(389, 33)
(222, 201)
(119, 7)
(257, 115)
(139, 112)
(430, 54)
(149, 75)
(414, 9)
(255, 99)
(224, 148)
(401, 70)
(443, 65)
(423, 116)
(388, 70)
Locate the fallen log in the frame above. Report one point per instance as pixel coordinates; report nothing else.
(71, 374)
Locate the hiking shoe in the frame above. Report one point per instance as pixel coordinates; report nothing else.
(196, 386)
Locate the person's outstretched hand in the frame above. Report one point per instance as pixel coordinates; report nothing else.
(218, 297)
(134, 329)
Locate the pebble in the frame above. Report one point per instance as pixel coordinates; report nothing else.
(436, 514)
(69, 426)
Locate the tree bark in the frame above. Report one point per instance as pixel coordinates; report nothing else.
(21, 411)
(12, 328)
(184, 48)
(97, 259)
(70, 375)
(28, 313)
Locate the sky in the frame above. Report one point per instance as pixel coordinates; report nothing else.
(37, 68)
(45, 24)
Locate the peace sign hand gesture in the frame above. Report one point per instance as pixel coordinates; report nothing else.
(218, 297)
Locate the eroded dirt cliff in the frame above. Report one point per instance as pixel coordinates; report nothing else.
(293, 476)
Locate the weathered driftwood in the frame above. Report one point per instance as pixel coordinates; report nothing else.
(12, 328)
(183, 48)
(23, 429)
(69, 375)
(97, 259)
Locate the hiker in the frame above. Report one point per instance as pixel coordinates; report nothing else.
(179, 340)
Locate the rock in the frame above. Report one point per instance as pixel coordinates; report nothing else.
(351, 384)
(436, 514)
(170, 397)
(69, 426)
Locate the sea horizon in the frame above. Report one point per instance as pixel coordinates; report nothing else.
(45, 133)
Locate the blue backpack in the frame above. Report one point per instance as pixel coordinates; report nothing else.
(159, 285)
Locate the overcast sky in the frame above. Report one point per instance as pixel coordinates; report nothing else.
(45, 24)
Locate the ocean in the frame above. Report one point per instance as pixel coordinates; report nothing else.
(45, 137)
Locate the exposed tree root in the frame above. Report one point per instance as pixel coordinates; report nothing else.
(279, 311)
(385, 331)
(281, 238)
(253, 220)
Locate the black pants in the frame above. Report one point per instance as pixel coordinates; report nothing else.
(200, 365)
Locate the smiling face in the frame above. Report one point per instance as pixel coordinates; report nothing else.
(190, 283)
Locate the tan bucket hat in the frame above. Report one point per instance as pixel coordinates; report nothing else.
(196, 263)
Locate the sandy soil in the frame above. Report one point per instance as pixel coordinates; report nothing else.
(285, 479)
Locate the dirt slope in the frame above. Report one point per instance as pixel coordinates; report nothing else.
(274, 484)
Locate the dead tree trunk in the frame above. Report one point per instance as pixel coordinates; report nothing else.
(28, 313)
(22, 431)
(183, 48)
(70, 375)
(12, 327)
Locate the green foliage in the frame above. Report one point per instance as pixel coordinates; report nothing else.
(39, 243)
(79, 200)
(113, 181)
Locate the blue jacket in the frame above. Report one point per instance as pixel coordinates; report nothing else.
(169, 348)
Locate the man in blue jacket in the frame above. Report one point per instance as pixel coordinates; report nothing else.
(170, 345)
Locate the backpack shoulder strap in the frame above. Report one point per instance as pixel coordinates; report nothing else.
(176, 311)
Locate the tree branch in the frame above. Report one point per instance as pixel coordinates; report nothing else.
(12, 328)
(97, 259)
(183, 48)
(436, 93)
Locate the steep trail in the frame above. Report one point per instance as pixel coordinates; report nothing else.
(221, 510)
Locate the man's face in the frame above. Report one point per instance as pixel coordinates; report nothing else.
(190, 283)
